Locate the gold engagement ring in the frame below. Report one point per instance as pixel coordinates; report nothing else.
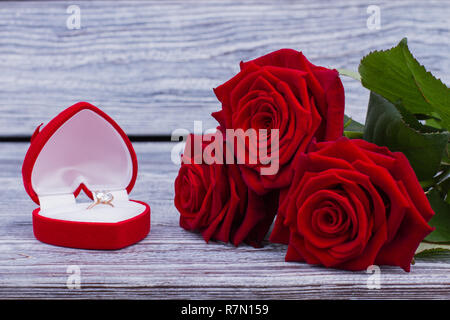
(101, 197)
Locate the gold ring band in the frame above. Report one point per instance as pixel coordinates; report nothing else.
(101, 197)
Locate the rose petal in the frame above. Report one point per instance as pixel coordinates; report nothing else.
(400, 250)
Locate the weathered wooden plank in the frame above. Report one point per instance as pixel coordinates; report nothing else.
(152, 65)
(173, 263)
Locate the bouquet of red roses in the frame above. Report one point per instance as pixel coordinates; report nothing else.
(337, 193)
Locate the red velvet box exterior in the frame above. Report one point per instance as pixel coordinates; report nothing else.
(82, 234)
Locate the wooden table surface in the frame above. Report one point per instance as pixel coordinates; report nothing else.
(152, 67)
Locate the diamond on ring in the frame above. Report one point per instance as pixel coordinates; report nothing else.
(101, 197)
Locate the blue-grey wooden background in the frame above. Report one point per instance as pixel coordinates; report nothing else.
(152, 65)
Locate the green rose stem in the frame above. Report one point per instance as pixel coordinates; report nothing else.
(354, 129)
(353, 134)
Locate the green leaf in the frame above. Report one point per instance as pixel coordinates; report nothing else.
(349, 73)
(440, 220)
(353, 129)
(352, 125)
(426, 250)
(386, 126)
(353, 134)
(396, 75)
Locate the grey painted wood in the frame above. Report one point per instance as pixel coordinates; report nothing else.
(152, 65)
(173, 263)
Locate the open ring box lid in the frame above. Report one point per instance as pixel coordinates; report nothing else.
(84, 149)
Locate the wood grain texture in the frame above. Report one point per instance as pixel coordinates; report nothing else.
(152, 65)
(172, 263)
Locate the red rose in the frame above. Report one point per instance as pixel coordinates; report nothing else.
(282, 90)
(352, 204)
(214, 200)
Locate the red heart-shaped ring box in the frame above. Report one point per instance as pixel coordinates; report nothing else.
(84, 149)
